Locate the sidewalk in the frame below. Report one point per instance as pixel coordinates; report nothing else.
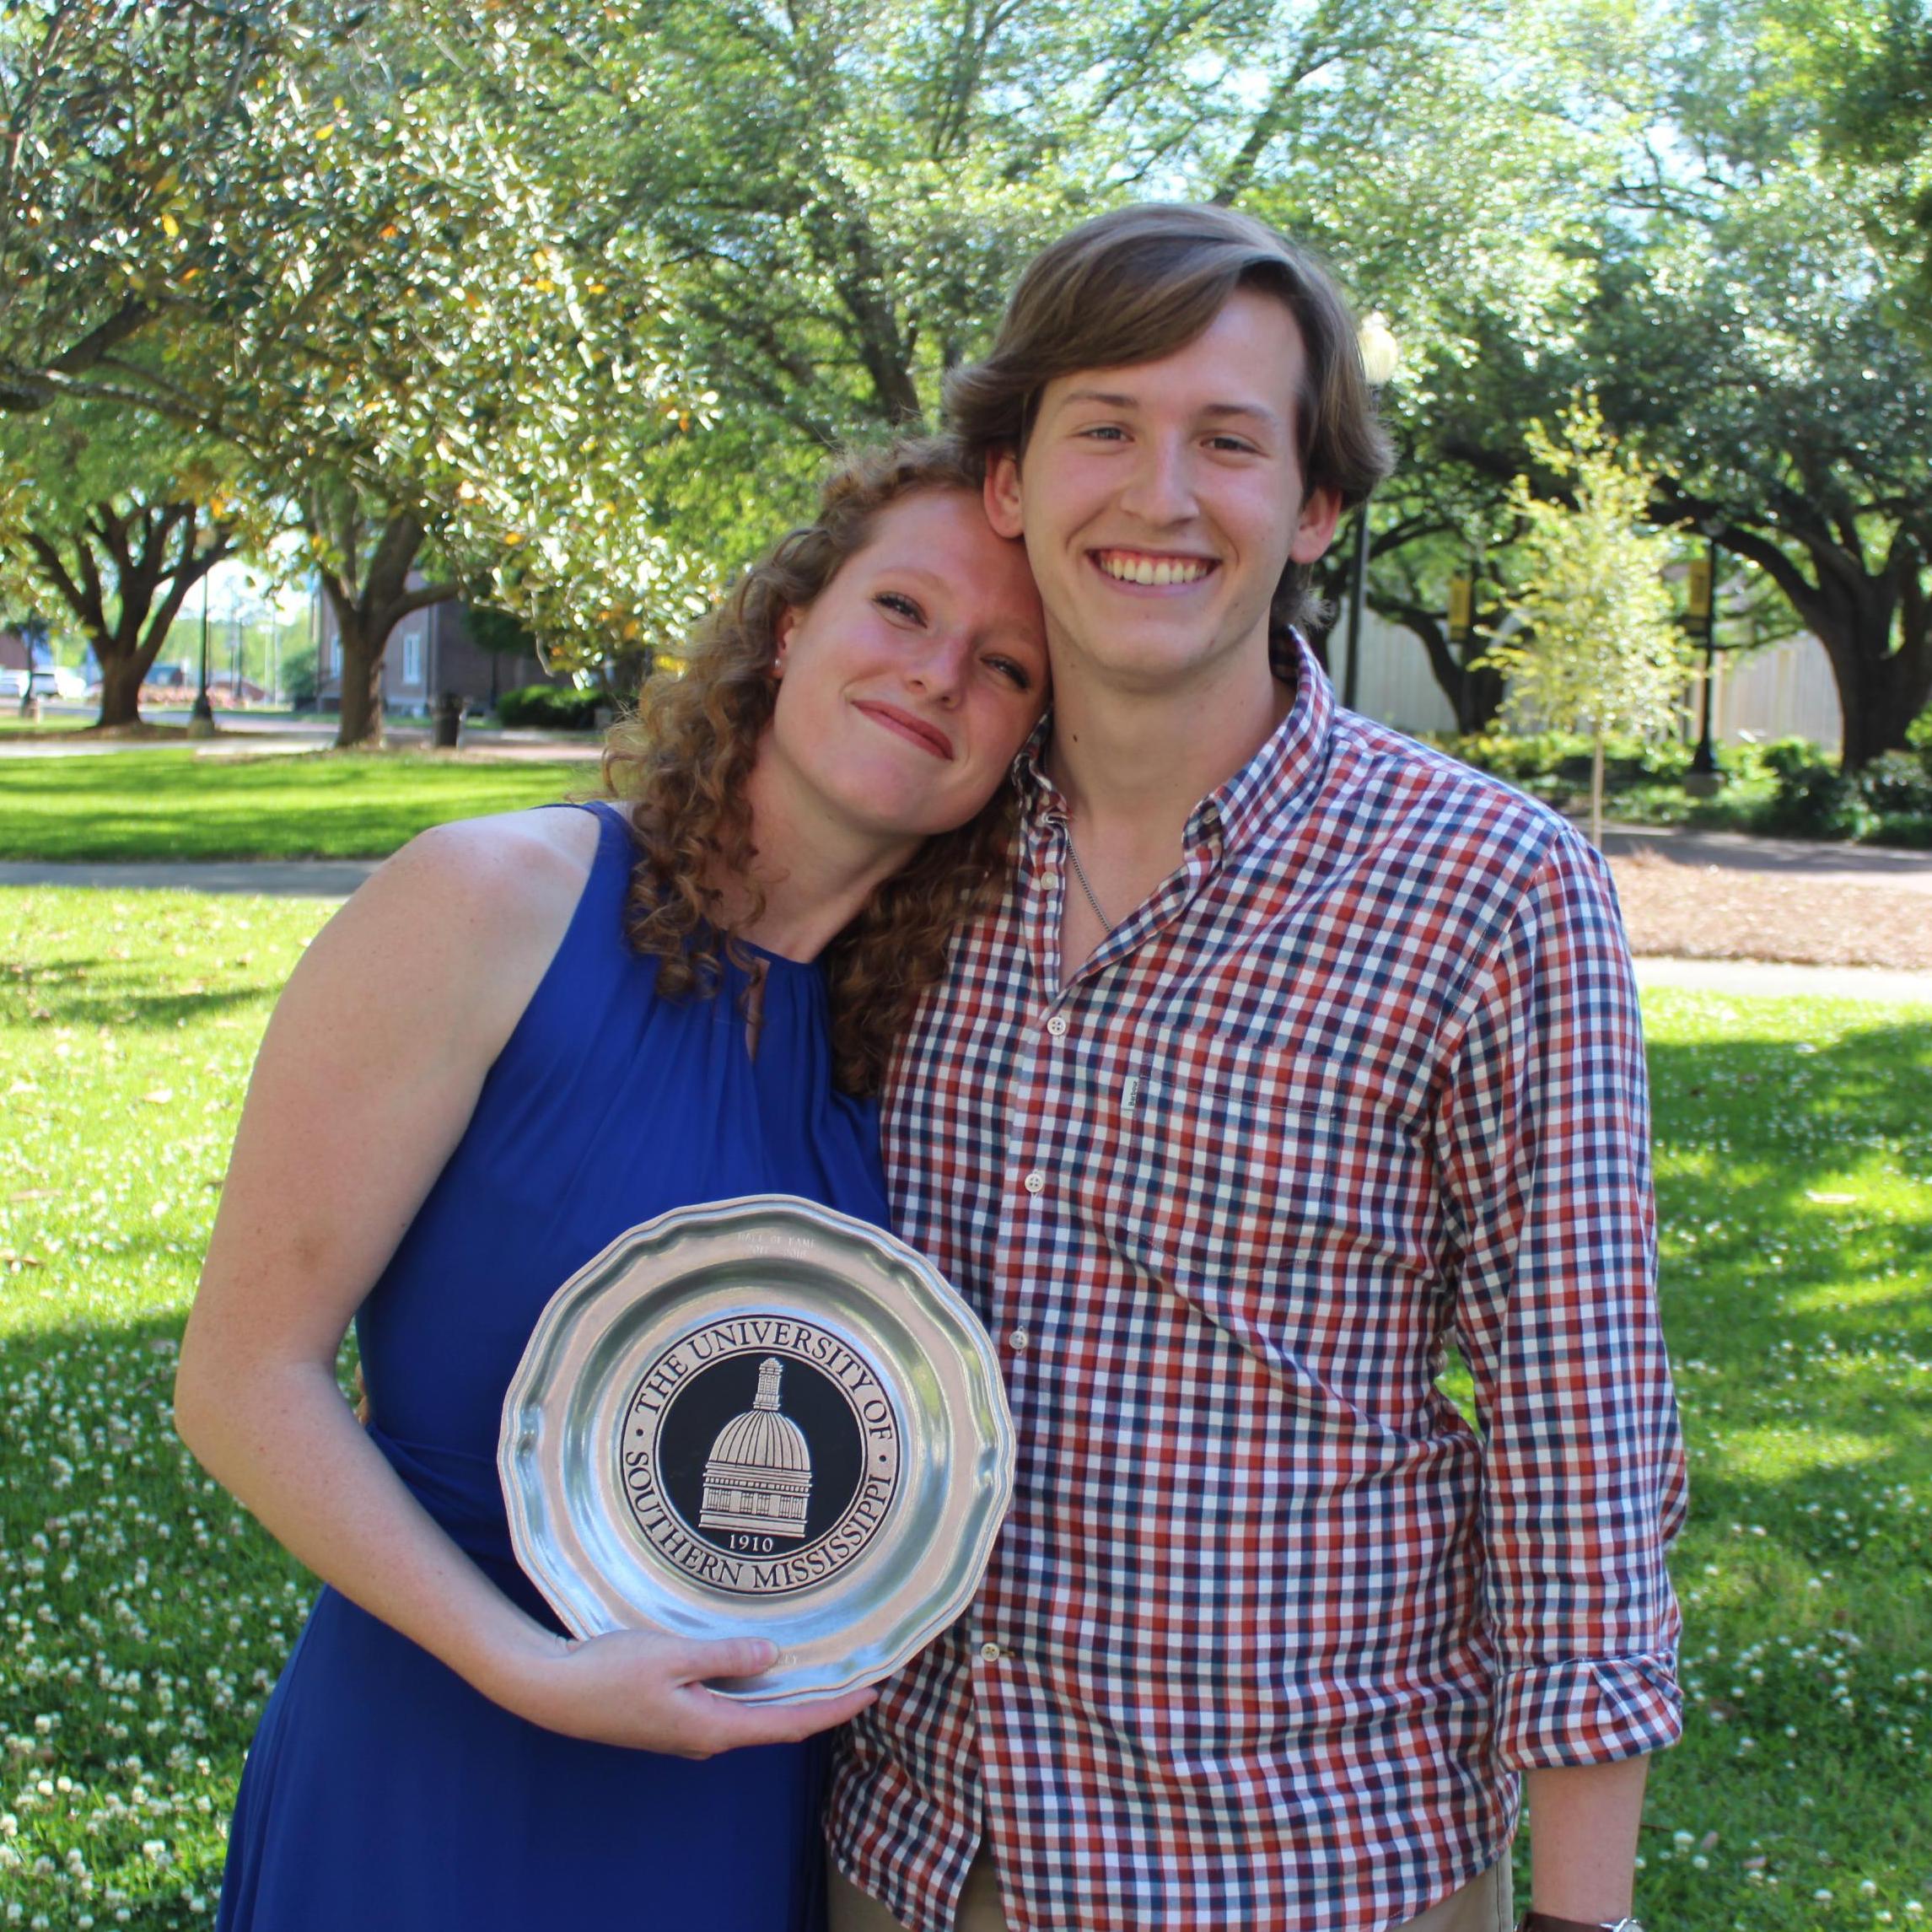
(335, 879)
(1762, 979)
(276, 878)
(238, 735)
(1797, 859)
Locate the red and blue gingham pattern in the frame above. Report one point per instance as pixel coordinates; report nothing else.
(1270, 1629)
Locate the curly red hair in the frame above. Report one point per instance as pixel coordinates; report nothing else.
(681, 763)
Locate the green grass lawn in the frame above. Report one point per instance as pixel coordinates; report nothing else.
(144, 1617)
(168, 803)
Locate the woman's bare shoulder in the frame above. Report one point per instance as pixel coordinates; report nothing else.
(467, 915)
(516, 870)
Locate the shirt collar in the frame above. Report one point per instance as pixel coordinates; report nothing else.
(1275, 785)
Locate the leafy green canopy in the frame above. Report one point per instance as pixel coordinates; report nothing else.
(1750, 324)
(121, 133)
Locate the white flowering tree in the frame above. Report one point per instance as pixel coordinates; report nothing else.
(1602, 653)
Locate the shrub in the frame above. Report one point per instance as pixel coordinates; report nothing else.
(544, 707)
(1563, 758)
(1912, 829)
(1896, 783)
(1813, 798)
(1518, 758)
(298, 678)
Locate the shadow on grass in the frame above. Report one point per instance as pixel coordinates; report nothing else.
(94, 991)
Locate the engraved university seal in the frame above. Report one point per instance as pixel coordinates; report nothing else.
(761, 1454)
(759, 1417)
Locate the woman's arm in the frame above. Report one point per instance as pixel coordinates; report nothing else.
(367, 1077)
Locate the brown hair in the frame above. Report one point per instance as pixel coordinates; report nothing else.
(1141, 283)
(682, 762)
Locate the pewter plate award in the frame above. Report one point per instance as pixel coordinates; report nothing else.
(760, 1417)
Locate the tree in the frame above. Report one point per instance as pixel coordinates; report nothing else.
(1874, 72)
(430, 360)
(1457, 181)
(1756, 346)
(119, 121)
(344, 278)
(1602, 651)
(1739, 306)
(846, 196)
(116, 521)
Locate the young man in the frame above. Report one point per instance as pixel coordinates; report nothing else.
(1293, 1051)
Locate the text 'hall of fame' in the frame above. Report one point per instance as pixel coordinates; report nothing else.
(761, 1454)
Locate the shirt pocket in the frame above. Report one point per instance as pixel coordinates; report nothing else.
(1292, 1206)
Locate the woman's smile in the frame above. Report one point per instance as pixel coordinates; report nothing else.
(927, 737)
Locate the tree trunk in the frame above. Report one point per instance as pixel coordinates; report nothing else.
(1853, 612)
(1482, 696)
(1473, 687)
(360, 727)
(369, 595)
(1596, 788)
(1879, 705)
(121, 680)
(121, 558)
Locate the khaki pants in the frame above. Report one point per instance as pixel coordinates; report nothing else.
(1483, 1905)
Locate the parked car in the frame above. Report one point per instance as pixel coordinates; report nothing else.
(57, 681)
(12, 682)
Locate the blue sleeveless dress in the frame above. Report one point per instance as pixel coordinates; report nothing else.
(382, 1793)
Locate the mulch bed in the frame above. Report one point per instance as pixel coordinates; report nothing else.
(1711, 912)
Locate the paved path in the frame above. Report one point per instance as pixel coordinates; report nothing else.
(335, 879)
(278, 878)
(238, 736)
(1785, 857)
(1761, 979)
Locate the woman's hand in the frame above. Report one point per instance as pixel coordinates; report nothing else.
(649, 1691)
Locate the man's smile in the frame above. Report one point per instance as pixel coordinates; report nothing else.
(1154, 567)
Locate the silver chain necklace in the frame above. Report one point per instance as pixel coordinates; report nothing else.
(1086, 884)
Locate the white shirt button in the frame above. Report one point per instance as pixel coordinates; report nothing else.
(1035, 1181)
(990, 1652)
(1018, 1339)
(1057, 1025)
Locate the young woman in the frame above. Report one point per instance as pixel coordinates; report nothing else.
(522, 1036)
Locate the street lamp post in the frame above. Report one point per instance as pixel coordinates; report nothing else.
(201, 717)
(1380, 356)
(1703, 779)
(1461, 629)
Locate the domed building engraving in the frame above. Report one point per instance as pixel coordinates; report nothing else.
(759, 1474)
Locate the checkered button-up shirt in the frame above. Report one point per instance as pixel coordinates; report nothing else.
(1270, 1628)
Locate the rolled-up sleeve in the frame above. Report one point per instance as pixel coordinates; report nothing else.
(1545, 1145)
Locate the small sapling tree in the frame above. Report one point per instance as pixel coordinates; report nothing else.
(1602, 652)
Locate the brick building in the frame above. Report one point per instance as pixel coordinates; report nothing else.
(429, 652)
